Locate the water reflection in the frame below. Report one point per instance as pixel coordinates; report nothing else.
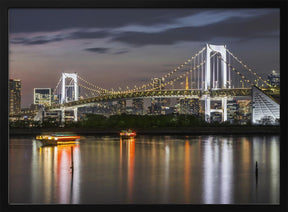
(147, 169)
(54, 175)
(187, 173)
(128, 145)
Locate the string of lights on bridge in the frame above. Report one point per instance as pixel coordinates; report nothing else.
(196, 69)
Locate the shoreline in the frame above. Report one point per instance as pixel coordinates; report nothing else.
(156, 131)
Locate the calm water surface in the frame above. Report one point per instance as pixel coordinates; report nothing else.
(146, 170)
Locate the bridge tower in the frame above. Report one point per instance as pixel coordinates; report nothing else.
(64, 95)
(212, 83)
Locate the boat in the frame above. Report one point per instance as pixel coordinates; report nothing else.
(127, 133)
(58, 138)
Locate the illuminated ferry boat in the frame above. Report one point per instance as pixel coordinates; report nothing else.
(127, 134)
(58, 138)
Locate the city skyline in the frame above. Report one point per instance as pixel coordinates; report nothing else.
(132, 45)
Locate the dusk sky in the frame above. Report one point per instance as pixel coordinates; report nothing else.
(118, 47)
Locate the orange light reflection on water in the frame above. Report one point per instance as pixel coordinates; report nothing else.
(56, 169)
(130, 147)
(187, 172)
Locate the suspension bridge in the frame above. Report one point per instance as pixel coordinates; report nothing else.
(213, 73)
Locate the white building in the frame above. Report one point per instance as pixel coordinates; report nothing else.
(42, 96)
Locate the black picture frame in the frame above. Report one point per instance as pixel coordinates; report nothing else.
(6, 4)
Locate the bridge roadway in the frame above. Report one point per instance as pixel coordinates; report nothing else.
(215, 93)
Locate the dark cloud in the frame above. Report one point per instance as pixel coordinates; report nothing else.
(89, 35)
(236, 28)
(124, 51)
(98, 50)
(45, 20)
(36, 40)
(240, 28)
(107, 51)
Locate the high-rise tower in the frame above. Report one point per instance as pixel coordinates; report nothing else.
(14, 96)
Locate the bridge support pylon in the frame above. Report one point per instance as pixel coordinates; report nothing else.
(224, 109)
(208, 110)
(75, 113)
(62, 115)
(207, 107)
(63, 109)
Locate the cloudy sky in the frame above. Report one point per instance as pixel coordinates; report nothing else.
(120, 47)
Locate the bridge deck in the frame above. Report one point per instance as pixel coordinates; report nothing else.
(158, 94)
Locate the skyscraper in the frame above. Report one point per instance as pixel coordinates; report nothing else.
(14, 96)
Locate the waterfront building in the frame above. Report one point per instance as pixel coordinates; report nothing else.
(155, 108)
(158, 105)
(137, 106)
(189, 106)
(43, 96)
(121, 107)
(274, 78)
(232, 111)
(14, 96)
(167, 110)
(216, 117)
(245, 110)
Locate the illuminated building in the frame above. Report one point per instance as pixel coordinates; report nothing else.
(155, 107)
(121, 107)
(216, 117)
(138, 106)
(244, 111)
(14, 96)
(232, 111)
(189, 106)
(274, 78)
(42, 96)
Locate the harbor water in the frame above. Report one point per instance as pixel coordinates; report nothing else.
(147, 169)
